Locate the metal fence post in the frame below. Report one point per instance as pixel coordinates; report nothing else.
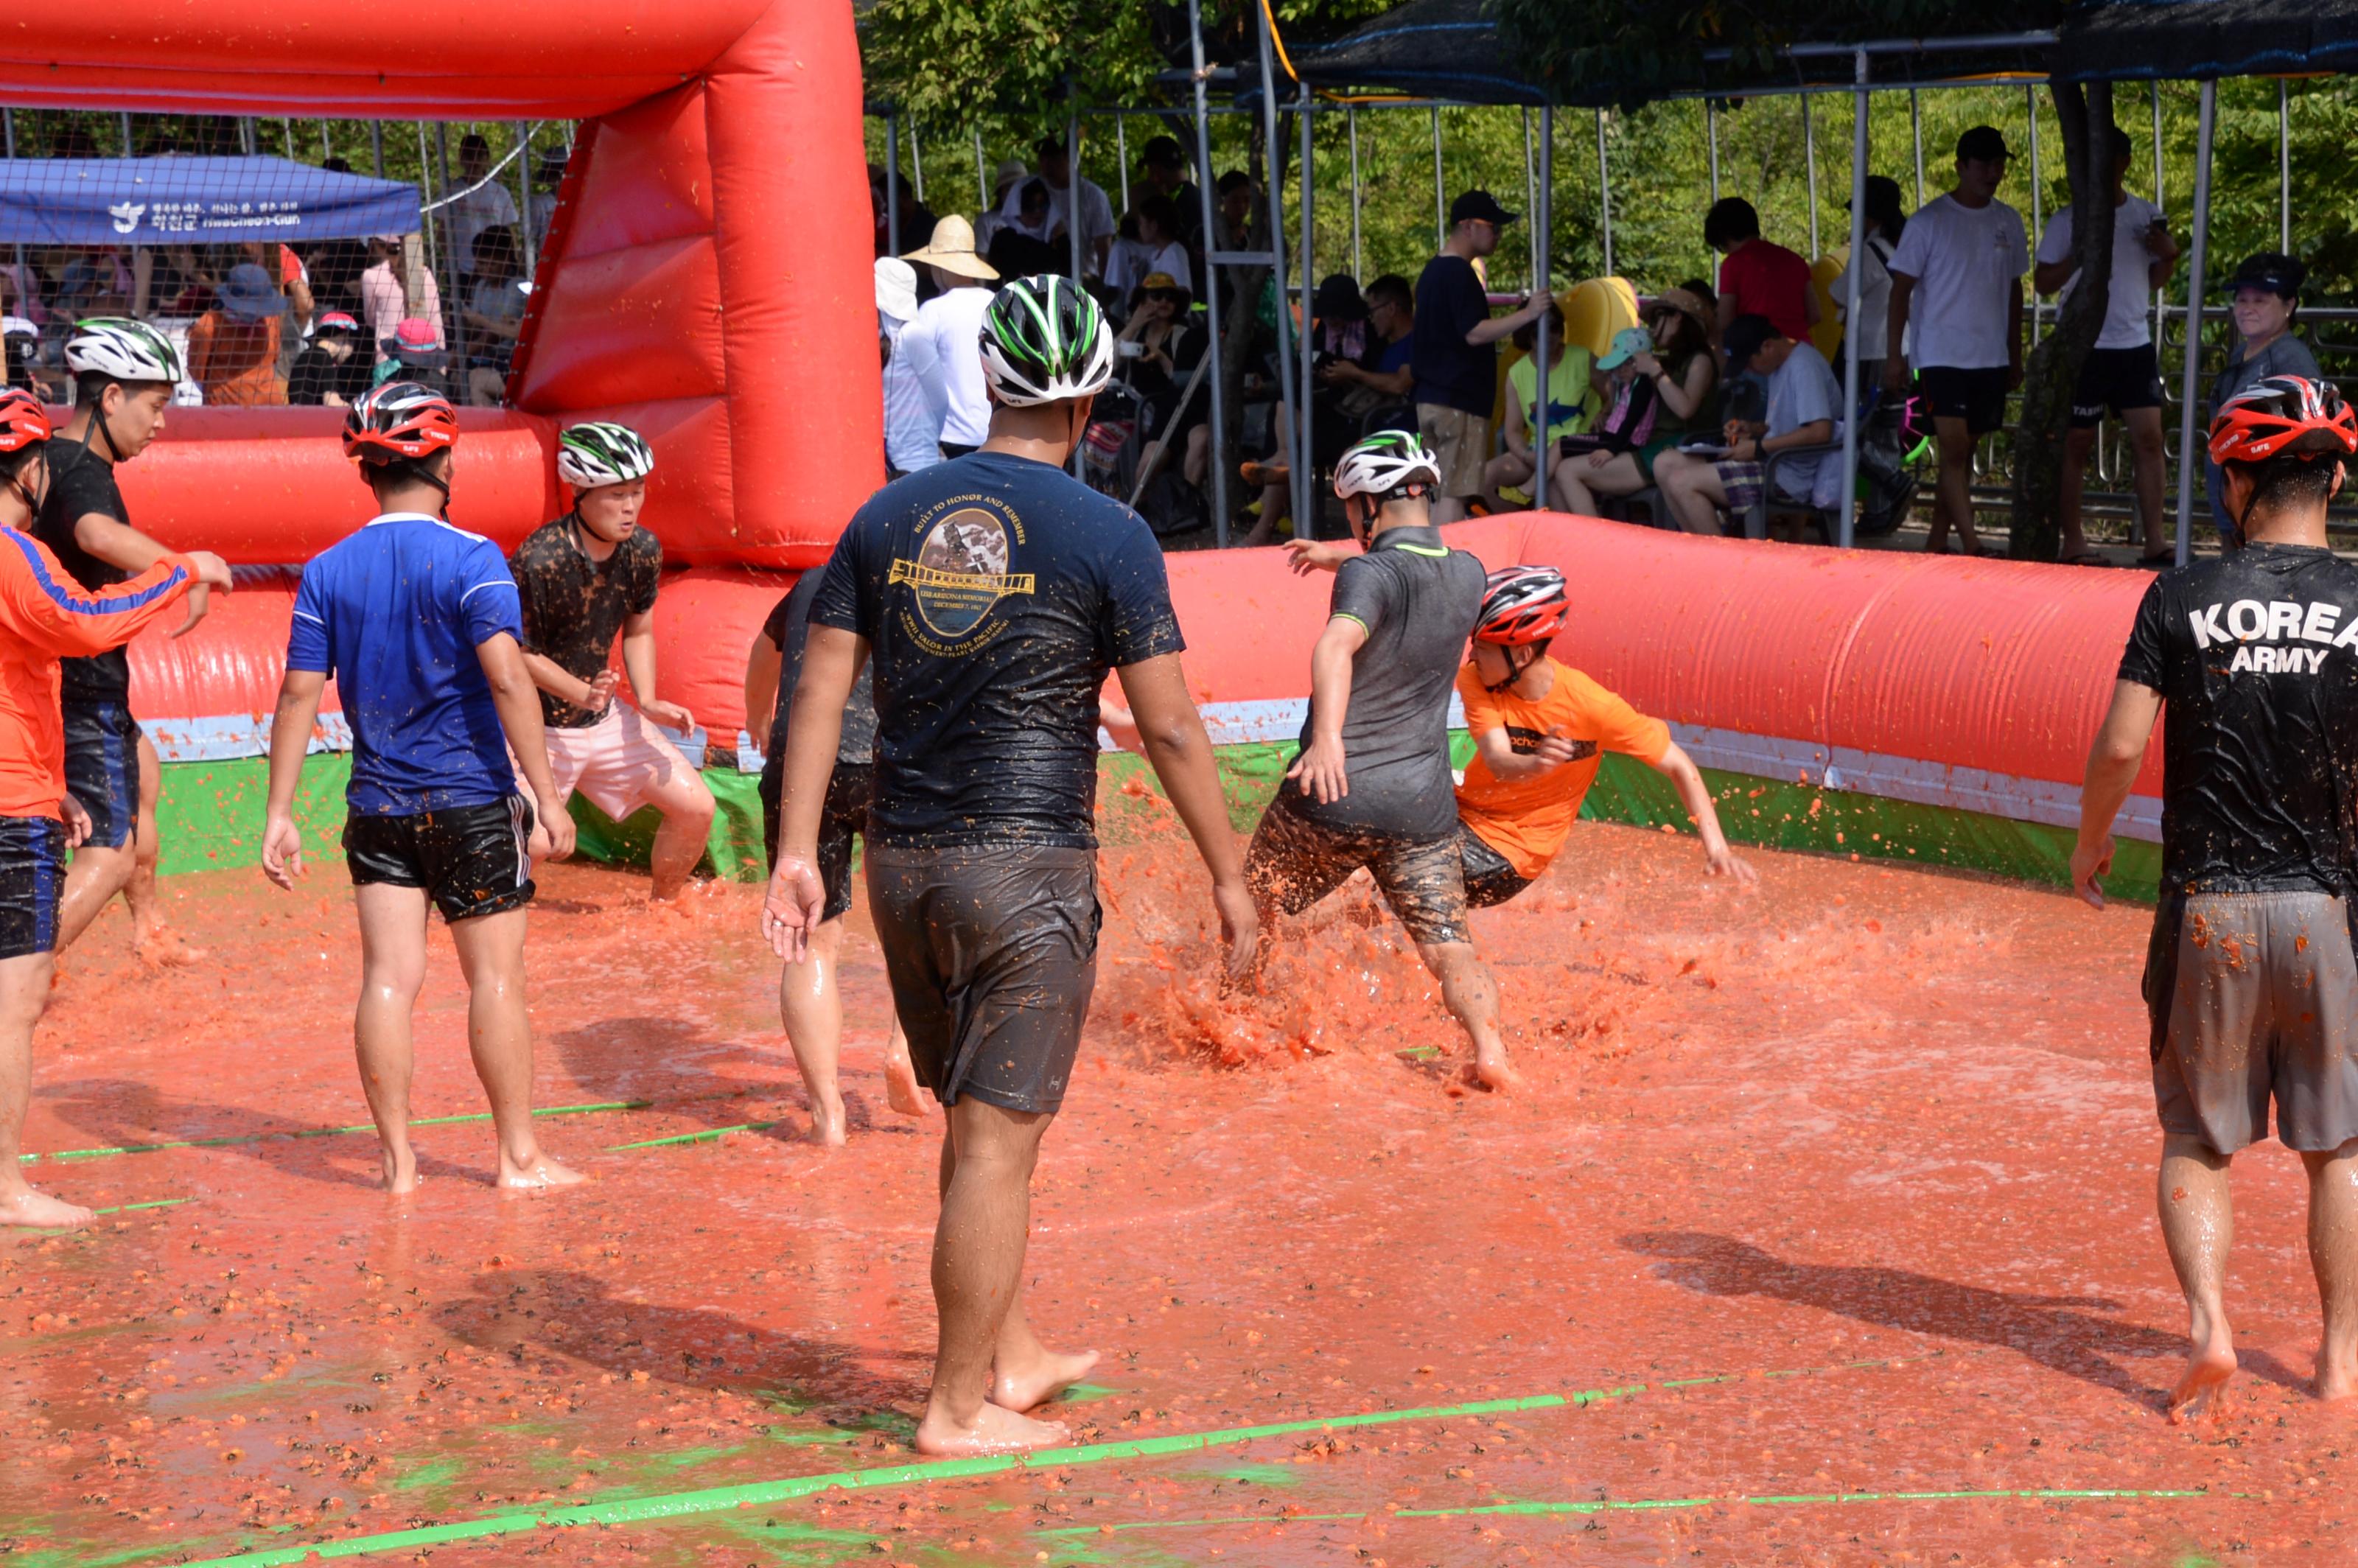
(892, 185)
(1711, 132)
(1543, 225)
(376, 146)
(1358, 260)
(460, 269)
(524, 196)
(2038, 199)
(1305, 491)
(1296, 462)
(1218, 475)
(1810, 162)
(2283, 168)
(917, 167)
(1845, 530)
(1120, 156)
(1530, 197)
(1916, 130)
(1440, 201)
(1604, 193)
(2194, 368)
(981, 177)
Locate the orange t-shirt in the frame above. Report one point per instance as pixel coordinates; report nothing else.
(1527, 820)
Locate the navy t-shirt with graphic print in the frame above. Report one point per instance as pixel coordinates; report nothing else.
(2256, 656)
(995, 592)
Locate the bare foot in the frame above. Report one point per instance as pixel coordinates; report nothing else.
(400, 1170)
(1492, 1073)
(901, 1086)
(2208, 1369)
(2337, 1374)
(994, 1430)
(39, 1211)
(826, 1123)
(1027, 1387)
(163, 948)
(541, 1171)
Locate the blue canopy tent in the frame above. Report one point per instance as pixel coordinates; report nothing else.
(193, 200)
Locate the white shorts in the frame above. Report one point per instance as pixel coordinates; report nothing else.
(620, 762)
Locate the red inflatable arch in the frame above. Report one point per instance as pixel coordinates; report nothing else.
(706, 278)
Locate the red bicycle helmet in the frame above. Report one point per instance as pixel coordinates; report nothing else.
(2278, 412)
(1522, 605)
(23, 421)
(397, 421)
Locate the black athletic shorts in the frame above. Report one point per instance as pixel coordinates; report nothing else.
(471, 860)
(1976, 396)
(32, 875)
(845, 813)
(1491, 879)
(2118, 379)
(992, 953)
(103, 770)
(1294, 862)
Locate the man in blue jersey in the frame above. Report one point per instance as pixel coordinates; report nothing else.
(420, 624)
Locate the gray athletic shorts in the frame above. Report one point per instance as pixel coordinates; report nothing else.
(2254, 997)
(992, 954)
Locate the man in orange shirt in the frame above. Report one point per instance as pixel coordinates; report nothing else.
(44, 614)
(1542, 729)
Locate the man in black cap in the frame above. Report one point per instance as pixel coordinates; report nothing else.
(1957, 275)
(1455, 351)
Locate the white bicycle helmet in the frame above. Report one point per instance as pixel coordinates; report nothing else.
(122, 350)
(1384, 466)
(602, 453)
(1045, 340)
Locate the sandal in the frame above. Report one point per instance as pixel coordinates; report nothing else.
(2084, 559)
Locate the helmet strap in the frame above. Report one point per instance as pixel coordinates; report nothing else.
(1516, 667)
(102, 425)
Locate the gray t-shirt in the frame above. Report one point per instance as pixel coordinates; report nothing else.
(1803, 392)
(1419, 600)
(2286, 356)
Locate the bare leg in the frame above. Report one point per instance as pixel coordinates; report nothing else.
(96, 875)
(687, 807)
(499, 1036)
(1505, 469)
(2077, 445)
(1953, 499)
(1691, 490)
(2333, 1254)
(988, 1155)
(1449, 509)
(393, 968)
(2145, 449)
(1472, 998)
(154, 940)
(23, 993)
(900, 1075)
(811, 1008)
(2197, 1224)
(1199, 451)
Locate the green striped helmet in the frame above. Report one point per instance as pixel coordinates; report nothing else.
(1044, 340)
(122, 350)
(1384, 465)
(590, 454)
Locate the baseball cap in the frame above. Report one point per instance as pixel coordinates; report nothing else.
(1627, 342)
(1745, 336)
(2277, 273)
(1161, 152)
(334, 321)
(1983, 145)
(1478, 204)
(896, 288)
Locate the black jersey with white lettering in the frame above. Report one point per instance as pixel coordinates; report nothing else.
(2255, 656)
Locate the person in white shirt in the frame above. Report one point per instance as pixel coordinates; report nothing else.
(1011, 174)
(1964, 254)
(1096, 212)
(478, 209)
(1884, 223)
(1157, 248)
(2122, 372)
(912, 438)
(941, 345)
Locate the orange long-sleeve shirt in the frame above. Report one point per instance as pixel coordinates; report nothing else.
(44, 615)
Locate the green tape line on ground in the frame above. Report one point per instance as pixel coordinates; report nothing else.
(718, 1499)
(707, 1136)
(64, 1154)
(1643, 1505)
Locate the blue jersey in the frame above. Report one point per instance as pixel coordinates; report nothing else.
(396, 612)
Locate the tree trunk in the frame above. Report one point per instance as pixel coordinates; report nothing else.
(2034, 530)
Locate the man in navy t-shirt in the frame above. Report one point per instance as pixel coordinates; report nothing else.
(1455, 354)
(419, 624)
(993, 592)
